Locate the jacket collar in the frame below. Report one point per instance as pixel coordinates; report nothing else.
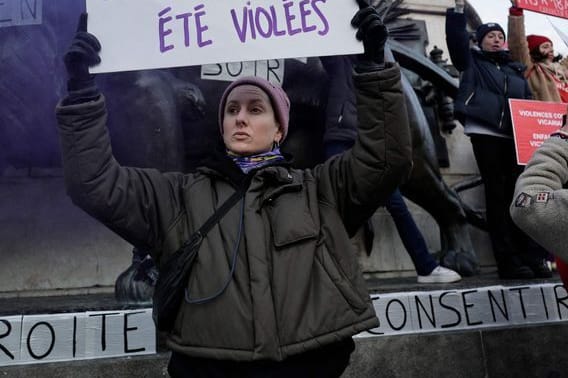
(501, 57)
(220, 165)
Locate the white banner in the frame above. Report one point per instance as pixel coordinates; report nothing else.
(146, 34)
(560, 33)
(457, 310)
(20, 12)
(30, 339)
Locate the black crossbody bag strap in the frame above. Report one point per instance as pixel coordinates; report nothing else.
(204, 229)
(220, 212)
(174, 273)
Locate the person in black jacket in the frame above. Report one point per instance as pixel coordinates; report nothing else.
(489, 79)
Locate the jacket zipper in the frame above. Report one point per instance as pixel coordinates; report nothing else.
(506, 89)
(502, 116)
(469, 98)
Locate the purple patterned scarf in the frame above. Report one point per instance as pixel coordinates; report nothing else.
(248, 163)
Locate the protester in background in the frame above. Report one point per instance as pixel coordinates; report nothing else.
(489, 78)
(540, 207)
(548, 80)
(289, 291)
(340, 135)
(428, 270)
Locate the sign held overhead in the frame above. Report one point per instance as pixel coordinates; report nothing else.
(147, 34)
(552, 7)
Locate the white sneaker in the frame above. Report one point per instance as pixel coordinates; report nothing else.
(440, 275)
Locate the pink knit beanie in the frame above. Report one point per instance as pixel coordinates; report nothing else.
(278, 98)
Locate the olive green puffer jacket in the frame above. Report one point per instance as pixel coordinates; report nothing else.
(296, 284)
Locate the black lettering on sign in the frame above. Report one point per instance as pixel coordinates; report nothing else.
(372, 331)
(5, 12)
(544, 303)
(103, 327)
(502, 308)
(20, 12)
(468, 305)
(273, 67)
(560, 300)
(403, 311)
(74, 336)
(521, 300)
(126, 330)
(448, 307)
(28, 9)
(213, 73)
(431, 316)
(237, 72)
(8, 326)
(29, 340)
(272, 70)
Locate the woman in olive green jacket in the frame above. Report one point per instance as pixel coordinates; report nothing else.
(285, 292)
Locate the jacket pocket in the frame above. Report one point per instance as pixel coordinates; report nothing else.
(340, 280)
(290, 218)
(486, 107)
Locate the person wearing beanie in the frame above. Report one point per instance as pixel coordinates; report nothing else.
(494, 40)
(248, 145)
(547, 79)
(540, 47)
(276, 288)
(489, 79)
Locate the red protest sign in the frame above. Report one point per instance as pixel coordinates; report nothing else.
(551, 7)
(533, 122)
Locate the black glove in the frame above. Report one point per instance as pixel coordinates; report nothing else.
(372, 32)
(82, 54)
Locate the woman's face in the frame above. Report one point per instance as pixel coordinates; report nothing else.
(547, 50)
(493, 41)
(249, 123)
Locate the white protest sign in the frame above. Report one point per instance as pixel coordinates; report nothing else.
(451, 310)
(146, 34)
(49, 338)
(20, 12)
(119, 333)
(10, 339)
(31, 339)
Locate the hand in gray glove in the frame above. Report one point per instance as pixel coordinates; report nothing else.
(82, 54)
(371, 31)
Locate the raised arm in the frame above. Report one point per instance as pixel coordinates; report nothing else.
(130, 201)
(517, 39)
(457, 37)
(359, 180)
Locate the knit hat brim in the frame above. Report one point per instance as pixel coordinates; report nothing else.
(484, 29)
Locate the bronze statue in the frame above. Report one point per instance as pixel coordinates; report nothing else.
(163, 119)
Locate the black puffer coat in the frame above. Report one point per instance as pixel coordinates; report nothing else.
(488, 80)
